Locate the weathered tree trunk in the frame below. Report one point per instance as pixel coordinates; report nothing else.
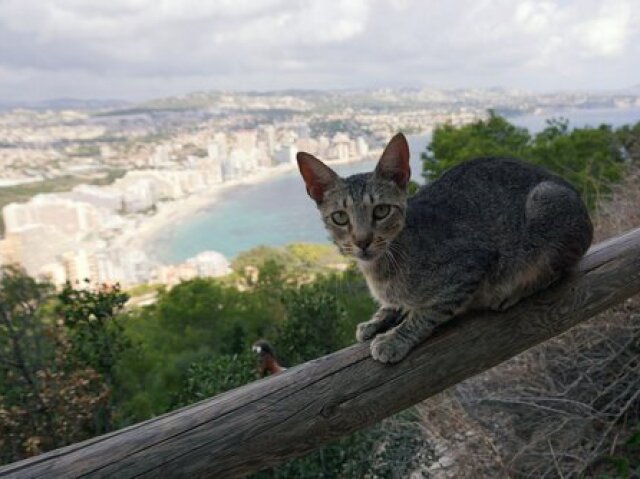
(269, 421)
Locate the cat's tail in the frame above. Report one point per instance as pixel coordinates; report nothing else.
(557, 233)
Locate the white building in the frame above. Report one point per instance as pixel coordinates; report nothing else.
(341, 145)
(55, 273)
(245, 140)
(163, 186)
(309, 145)
(68, 216)
(221, 143)
(124, 266)
(80, 265)
(269, 135)
(99, 196)
(362, 148)
(161, 157)
(210, 264)
(209, 168)
(138, 196)
(285, 155)
(239, 163)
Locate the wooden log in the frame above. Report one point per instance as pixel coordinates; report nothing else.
(269, 421)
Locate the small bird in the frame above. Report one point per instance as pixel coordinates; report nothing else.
(268, 363)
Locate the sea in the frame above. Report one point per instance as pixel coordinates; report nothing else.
(278, 211)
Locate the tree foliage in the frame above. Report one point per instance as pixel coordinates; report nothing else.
(49, 397)
(91, 317)
(215, 375)
(592, 159)
(452, 145)
(318, 318)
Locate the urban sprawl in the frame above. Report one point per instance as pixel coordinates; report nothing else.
(126, 172)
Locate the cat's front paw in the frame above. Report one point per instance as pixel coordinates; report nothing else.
(389, 348)
(366, 330)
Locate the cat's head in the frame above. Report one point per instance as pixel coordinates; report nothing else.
(363, 212)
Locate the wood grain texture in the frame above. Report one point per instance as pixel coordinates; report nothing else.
(269, 421)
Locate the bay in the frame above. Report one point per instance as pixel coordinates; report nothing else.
(274, 212)
(278, 210)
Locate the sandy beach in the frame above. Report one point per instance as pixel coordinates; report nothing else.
(169, 213)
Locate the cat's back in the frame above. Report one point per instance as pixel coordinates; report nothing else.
(488, 173)
(480, 200)
(481, 187)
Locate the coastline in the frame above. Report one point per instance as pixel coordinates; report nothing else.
(148, 231)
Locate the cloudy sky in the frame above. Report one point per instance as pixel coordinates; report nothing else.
(138, 49)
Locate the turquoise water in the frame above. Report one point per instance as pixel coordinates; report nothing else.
(278, 211)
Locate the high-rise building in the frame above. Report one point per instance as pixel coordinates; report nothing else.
(209, 167)
(160, 157)
(269, 134)
(286, 155)
(341, 144)
(245, 140)
(301, 130)
(80, 265)
(362, 148)
(139, 196)
(99, 196)
(307, 144)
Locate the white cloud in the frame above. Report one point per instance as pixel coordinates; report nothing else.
(535, 17)
(117, 47)
(608, 33)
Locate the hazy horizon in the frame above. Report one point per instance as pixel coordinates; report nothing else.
(136, 50)
(293, 90)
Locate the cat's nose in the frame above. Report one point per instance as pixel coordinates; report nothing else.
(363, 243)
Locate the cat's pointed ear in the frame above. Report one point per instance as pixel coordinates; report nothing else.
(394, 162)
(317, 176)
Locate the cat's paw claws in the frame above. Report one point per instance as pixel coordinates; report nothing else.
(366, 331)
(387, 348)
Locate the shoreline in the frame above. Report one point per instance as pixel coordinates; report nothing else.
(148, 231)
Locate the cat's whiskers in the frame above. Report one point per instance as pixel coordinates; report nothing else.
(393, 250)
(400, 251)
(389, 263)
(393, 262)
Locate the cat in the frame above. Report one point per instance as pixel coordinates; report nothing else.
(487, 233)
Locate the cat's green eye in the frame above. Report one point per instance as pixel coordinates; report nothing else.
(381, 212)
(340, 218)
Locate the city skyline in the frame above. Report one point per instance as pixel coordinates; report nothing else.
(138, 50)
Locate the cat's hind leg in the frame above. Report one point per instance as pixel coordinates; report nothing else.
(557, 232)
(385, 318)
(557, 224)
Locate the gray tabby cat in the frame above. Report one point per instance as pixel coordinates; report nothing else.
(486, 234)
